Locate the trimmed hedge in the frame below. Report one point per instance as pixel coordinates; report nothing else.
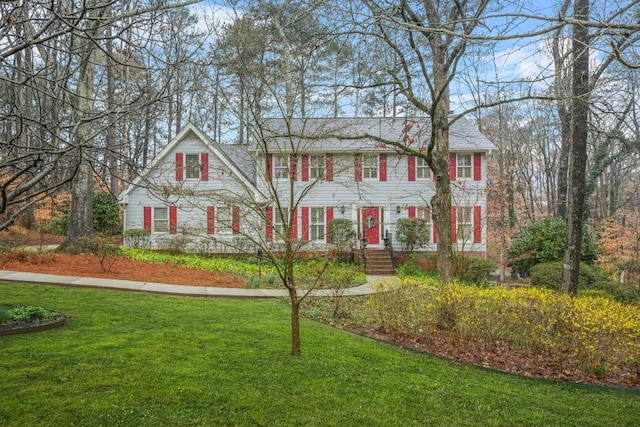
(591, 278)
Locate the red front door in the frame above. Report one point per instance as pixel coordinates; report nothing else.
(371, 225)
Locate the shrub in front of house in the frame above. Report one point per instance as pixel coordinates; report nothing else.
(343, 234)
(137, 238)
(473, 269)
(412, 233)
(418, 265)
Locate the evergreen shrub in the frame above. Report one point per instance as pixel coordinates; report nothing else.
(412, 233)
(545, 241)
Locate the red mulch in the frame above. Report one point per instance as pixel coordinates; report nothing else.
(116, 268)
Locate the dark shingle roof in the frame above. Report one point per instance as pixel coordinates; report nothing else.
(351, 134)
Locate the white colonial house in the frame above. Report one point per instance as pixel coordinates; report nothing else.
(220, 196)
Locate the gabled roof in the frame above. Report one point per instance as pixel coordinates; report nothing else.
(359, 134)
(235, 157)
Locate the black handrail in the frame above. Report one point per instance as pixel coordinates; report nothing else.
(363, 251)
(388, 245)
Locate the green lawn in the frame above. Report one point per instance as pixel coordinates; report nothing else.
(137, 359)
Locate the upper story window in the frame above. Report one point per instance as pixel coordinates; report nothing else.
(422, 169)
(280, 167)
(465, 162)
(160, 219)
(192, 166)
(317, 166)
(370, 166)
(192, 163)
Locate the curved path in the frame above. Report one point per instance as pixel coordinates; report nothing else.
(164, 288)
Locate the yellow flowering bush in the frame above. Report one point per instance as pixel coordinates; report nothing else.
(597, 332)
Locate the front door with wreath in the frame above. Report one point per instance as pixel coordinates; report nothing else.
(371, 225)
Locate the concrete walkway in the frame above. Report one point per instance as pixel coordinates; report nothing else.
(164, 288)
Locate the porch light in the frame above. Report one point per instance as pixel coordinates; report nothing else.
(342, 209)
(398, 209)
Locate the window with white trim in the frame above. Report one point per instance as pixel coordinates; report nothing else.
(424, 212)
(160, 219)
(280, 167)
(464, 166)
(192, 166)
(279, 221)
(223, 219)
(317, 227)
(465, 223)
(370, 166)
(422, 169)
(317, 166)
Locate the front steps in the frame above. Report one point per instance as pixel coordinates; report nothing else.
(379, 263)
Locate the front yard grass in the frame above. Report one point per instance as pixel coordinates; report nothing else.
(137, 359)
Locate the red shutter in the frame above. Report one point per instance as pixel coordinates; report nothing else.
(411, 165)
(179, 167)
(211, 219)
(454, 224)
(293, 167)
(383, 167)
(268, 167)
(305, 167)
(329, 214)
(412, 211)
(293, 231)
(435, 235)
(329, 166)
(305, 223)
(477, 166)
(269, 223)
(358, 166)
(147, 218)
(453, 166)
(204, 164)
(477, 224)
(173, 220)
(235, 220)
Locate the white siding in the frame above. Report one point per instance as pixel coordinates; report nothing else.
(191, 197)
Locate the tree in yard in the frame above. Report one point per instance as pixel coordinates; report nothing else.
(578, 152)
(272, 76)
(428, 40)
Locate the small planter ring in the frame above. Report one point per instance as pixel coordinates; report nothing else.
(57, 323)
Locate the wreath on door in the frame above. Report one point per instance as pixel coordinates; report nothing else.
(370, 221)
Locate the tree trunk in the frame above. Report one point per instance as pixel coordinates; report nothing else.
(112, 143)
(81, 221)
(295, 322)
(441, 204)
(578, 152)
(564, 115)
(561, 197)
(441, 201)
